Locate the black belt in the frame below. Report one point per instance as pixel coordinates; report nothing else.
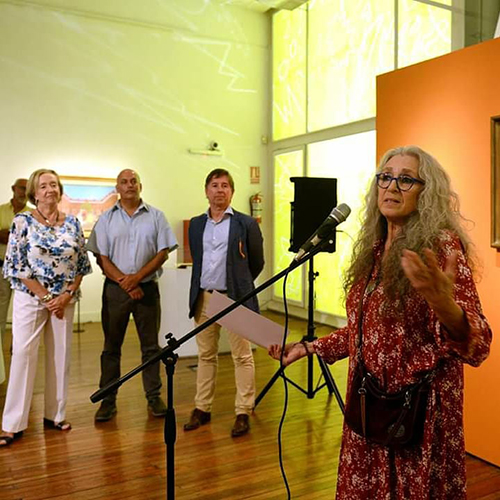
(212, 291)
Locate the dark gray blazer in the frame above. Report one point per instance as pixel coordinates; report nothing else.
(245, 257)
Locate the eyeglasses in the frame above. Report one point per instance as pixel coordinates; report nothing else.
(403, 182)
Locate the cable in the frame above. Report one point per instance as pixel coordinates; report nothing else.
(285, 404)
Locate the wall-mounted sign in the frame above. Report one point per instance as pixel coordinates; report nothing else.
(254, 175)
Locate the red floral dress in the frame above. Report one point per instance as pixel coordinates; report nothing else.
(397, 349)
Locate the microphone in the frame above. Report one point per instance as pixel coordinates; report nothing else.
(338, 215)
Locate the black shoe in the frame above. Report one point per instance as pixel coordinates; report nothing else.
(198, 417)
(106, 411)
(241, 425)
(157, 407)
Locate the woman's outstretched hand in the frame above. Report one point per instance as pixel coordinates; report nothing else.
(292, 352)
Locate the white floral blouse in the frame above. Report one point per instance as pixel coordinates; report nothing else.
(53, 255)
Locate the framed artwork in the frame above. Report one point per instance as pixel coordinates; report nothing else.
(87, 198)
(495, 181)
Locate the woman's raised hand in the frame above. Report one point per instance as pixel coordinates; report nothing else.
(435, 285)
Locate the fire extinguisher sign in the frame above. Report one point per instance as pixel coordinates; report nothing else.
(254, 175)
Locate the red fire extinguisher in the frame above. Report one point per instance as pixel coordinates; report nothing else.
(256, 207)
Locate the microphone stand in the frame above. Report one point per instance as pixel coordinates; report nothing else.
(168, 356)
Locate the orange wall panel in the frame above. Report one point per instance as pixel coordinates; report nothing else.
(445, 106)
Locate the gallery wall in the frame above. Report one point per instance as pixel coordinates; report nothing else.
(445, 105)
(89, 88)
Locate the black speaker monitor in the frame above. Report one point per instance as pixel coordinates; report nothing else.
(314, 199)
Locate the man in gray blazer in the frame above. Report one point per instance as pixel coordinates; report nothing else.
(228, 255)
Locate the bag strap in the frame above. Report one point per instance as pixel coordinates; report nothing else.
(359, 356)
(359, 340)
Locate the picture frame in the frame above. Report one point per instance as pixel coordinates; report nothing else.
(87, 198)
(495, 182)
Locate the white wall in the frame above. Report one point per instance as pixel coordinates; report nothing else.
(90, 87)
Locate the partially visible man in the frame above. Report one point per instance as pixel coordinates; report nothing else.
(228, 255)
(7, 212)
(131, 241)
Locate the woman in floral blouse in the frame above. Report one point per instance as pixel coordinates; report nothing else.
(420, 312)
(45, 262)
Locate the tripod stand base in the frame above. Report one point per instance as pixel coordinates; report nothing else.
(310, 392)
(310, 337)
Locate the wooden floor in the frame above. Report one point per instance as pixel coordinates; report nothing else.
(125, 458)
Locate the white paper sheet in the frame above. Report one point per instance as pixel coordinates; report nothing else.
(246, 323)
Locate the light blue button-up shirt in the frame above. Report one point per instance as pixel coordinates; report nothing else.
(130, 242)
(215, 242)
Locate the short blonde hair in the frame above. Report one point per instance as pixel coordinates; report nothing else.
(33, 183)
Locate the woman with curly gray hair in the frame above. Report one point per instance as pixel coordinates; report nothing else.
(414, 318)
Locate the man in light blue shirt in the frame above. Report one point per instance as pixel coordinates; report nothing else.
(215, 240)
(131, 241)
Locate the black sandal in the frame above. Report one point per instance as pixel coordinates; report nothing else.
(10, 439)
(59, 426)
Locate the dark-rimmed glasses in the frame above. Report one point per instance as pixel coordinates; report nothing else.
(403, 182)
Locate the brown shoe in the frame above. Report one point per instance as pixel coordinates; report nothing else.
(198, 417)
(241, 425)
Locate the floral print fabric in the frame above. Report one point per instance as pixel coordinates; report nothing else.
(398, 348)
(53, 255)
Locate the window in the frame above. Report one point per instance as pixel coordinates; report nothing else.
(326, 56)
(289, 73)
(349, 159)
(286, 165)
(346, 51)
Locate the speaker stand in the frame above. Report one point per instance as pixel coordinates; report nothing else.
(329, 381)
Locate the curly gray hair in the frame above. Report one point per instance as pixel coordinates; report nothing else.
(438, 209)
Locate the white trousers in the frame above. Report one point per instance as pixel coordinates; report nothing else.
(30, 321)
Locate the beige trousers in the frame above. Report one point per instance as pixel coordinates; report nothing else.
(208, 347)
(30, 321)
